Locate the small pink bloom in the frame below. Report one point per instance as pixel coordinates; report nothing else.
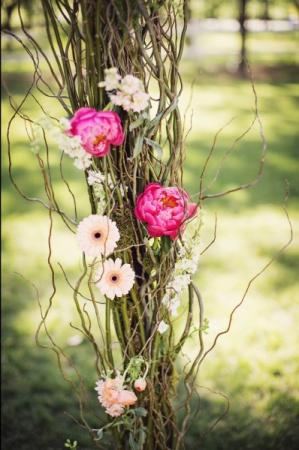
(140, 384)
(164, 209)
(113, 396)
(115, 410)
(127, 398)
(98, 130)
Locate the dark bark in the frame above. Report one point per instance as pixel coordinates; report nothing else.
(243, 32)
(266, 13)
(9, 9)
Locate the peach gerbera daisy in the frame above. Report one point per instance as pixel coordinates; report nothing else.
(115, 279)
(97, 235)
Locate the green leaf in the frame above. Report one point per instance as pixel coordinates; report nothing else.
(108, 107)
(132, 443)
(140, 412)
(165, 244)
(157, 147)
(136, 123)
(163, 114)
(138, 145)
(142, 437)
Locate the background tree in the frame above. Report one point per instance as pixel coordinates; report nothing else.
(243, 33)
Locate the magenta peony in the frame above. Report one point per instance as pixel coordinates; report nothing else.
(164, 209)
(98, 130)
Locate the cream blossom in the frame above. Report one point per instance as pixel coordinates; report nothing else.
(70, 145)
(65, 123)
(185, 266)
(136, 102)
(112, 79)
(127, 92)
(97, 177)
(130, 85)
(82, 160)
(115, 279)
(97, 235)
(140, 101)
(122, 99)
(171, 301)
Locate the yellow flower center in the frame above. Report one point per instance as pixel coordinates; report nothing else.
(169, 201)
(99, 138)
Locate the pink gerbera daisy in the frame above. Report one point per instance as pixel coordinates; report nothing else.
(115, 279)
(97, 235)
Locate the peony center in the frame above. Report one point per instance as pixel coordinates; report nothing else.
(99, 138)
(169, 201)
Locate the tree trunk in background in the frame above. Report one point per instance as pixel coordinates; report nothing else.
(266, 13)
(243, 33)
(9, 9)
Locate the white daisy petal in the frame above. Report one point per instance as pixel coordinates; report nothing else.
(97, 235)
(116, 280)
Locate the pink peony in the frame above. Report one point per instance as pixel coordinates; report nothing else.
(97, 130)
(165, 209)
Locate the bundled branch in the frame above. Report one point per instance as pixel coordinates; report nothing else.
(113, 65)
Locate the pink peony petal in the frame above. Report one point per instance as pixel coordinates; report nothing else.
(192, 209)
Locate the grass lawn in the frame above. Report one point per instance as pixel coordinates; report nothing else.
(256, 364)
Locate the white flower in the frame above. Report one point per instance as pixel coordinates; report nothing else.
(130, 85)
(65, 123)
(112, 79)
(140, 101)
(186, 265)
(83, 161)
(95, 177)
(162, 327)
(98, 178)
(136, 102)
(101, 199)
(97, 235)
(171, 302)
(67, 144)
(180, 282)
(122, 99)
(115, 279)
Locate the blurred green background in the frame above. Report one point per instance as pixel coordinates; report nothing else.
(256, 364)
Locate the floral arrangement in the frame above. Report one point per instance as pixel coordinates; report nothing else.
(116, 76)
